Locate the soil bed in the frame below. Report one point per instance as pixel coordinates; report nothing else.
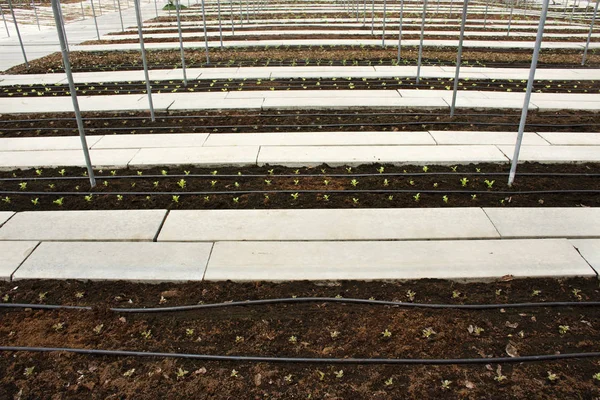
(234, 121)
(474, 185)
(299, 330)
(304, 56)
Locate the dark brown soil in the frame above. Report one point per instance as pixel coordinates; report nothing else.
(304, 56)
(341, 83)
(318, 329)
(321, 187)
(64, 124)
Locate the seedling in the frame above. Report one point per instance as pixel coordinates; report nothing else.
(386, 334)
(28, 371)
(552, 377)
(270, 172)
(296, 182)
(51, 186)
(425, 168)
(389, 382)
(339, 374)
(129, 373)
(473, 197)
(562, 329)
(293, 339)
(456, 294)
(390, 197)
(155, 184)
(181, 373)
(79, 295)
(435, 185)
(181, 183)
(236, 184)
(411, 182)
(322, 375)
(113, 173)
(446, 384)
(428, 332)
(380, 170)
(411, 295)
(596, 376)
(464, 182)
(62, 172)
(386, 182)
(119, 197)
(267, 181)
(58, 326)
(334, 334)
(576, 293)
(475, 330)
(454, 168)
(105, 183)
(354, 182)
(23, 185)
(239, 339)
(445, 199)
(236, 200)
(98, 328)
(140, 173)
(175, 199)
(38, 172)
(499, 377)
(326, 197)
(288, 378)
(349, 169)
(163, 172)
(355, 200)
(146, 334)
(42, 296)
(6, 199)
(535, 292)
(5, 298)
(489, 183)
(417, 197)
(88, 198)
(213, 173)
(498, 292)
(295, 196)
(325, 182)
(189, 332)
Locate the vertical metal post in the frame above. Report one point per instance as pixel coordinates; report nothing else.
(220, 25)
(485, 14)
(4, 19)
(383, 26)
(156, 8)
(138, 17)
(247, 11)
(572, 12)
(67, 64)
(241, 15)
(459, 55)
(37, 19)
(120, 15)
(62, 25)
(421, 41)
(534, 59)
(364, 12)
(372, 15)
(587, 43)
(231, 16)
(177, 7)
(205, 35)
(357, 16)
(451, 8)
(95, 22)
(512, 6)
(18, 32)
(82, 12)
(400, 29)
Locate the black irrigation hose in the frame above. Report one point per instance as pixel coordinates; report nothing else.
(323, 175)
(307, 191)
(305, 360)
(313, 300)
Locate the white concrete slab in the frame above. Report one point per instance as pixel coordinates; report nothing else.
(342, 102)
(546, 222)
(12, 254)
(589, 250)
(474, 137)
(320, 139)
(468, 260)
(209, 156)
(313, 94)
(150, 141)
(149, 262)
(58, 158)
(333, 224)
(555, 105)
(5, 216)
(45, 143)
(216, 104)
(116, 225)
(572, 138)
(299, 156)
(553, 154)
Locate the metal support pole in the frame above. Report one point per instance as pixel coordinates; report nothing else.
(400, 29)
(364, 12)
(95, 22)
(18, 32)
(463, 22)
(587, 43)
(512, 6)
(82, 12)
(383, 26)
(534, 59)
(372, 15)
(120, 15)
(451, 8)
(155, 8)
(62, 25)
(37, 19)
(357, 16)
(485, 14)
(231, 16)
(177, 7)
(220, 25)
(67, 65)
(421, 41)
(4, 19)
(138, 17)
(241, 15)
(247, 11)
(205, 35)
(572, 12)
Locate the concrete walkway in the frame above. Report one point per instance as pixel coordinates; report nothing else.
(242, 245)
(298, 149)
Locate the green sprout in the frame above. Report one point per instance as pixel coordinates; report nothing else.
(236, 200)
(140, 173)
(446, 384)
(473, 197)
(163, 172)
(326, 197)
(380, 170)
(213, 173)
(386, 182)
(146, 334)
(288, 378)
(181, 373)
(6, 199)
(562, 329)
(489, 183)
(354, 182)
(425, 168)
(552, 377)
(38, 172)
(445, 199)
(464, 182)
(295, 196)
(389, 382)
(59, 202)
(113, 173)
(35, 201)
(62, 172)
(454, 168)
(386, 334)
(535, 292)
(181, 183)
(417, 197)
(88, 198)
(411, 295)
(355, 200)
(119, 197)
(23, 185)
(339, 374)
(428, 332)
(293, 339)
(596, 376)
(98, 328)
(28, 371)
(175, 199)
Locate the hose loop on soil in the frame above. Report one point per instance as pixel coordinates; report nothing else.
(305, 360)
(313, 300)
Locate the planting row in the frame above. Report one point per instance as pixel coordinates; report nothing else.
(272, 84)
(323, 187)
(300, 330)
(305, 56)
(63, 124)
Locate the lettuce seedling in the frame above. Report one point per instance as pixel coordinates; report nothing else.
(35, 201)
(181, 183)
(464, 182)
(23, 185)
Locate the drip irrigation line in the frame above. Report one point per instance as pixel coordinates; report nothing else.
(304, 360)
(293, 300)
(323, 175)
(301, 191)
